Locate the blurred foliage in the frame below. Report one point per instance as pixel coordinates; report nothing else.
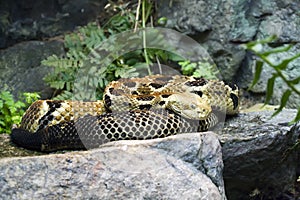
(82, 43)
(84, 46)
(199, 69)
(90, 49)
(257, 47)
(11, 111)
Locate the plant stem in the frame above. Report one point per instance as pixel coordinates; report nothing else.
(137, 15)
(144, 36)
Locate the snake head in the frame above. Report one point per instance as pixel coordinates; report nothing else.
(189, 105)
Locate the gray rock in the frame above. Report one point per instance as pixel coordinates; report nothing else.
(204, 22)
(25, 20)
(21, 69)
(187, 166)
(221, 26)
(257, 155)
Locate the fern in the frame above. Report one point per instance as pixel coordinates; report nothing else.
(84, 48)
(278, 71)
(11, 111)
(98, 55)
(199, 69)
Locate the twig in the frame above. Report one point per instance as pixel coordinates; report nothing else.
(144, 37)
(137, 16)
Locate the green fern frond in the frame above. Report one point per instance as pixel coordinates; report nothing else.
(278, 71)
(11, 111)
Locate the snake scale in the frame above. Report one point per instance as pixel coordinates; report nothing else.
(135, 108)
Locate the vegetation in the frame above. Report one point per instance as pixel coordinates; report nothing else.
(11, 111)
(83, 47)
(93, 46)
(278, 71)
(205, 69)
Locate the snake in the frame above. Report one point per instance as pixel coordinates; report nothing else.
(138, 108)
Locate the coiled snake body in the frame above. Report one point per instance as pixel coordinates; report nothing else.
(137, 108)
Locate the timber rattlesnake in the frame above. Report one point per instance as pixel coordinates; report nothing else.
(137, 108)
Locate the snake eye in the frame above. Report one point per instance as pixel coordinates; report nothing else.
(193, 106)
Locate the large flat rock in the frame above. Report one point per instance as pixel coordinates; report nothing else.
(187, 166)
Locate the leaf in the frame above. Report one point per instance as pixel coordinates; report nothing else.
(19, 104)
(295, 81)
(277, 50)
(284, 99)
(283, 65)
(6, 96)
(249, 45)
(31, 97)
(270, 88)
(65, 95)
(187, 67)
(258, 70)
(2, 123)
(162, 21)
(184, 63)
(68, 86)
(16, 119)
(297, 118)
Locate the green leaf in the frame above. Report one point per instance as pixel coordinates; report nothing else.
(2, 123)
(284, 99)
(187, 67)
(19, 104)
(297, 118)
(277, 50)
(65, 95)
(11, 111)
(270, 88)
(184, 63)
(295, 81)
(258, 70)
(162, 21)
(283, 65)
(267, 40)
(6, 96)
(16, 119)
